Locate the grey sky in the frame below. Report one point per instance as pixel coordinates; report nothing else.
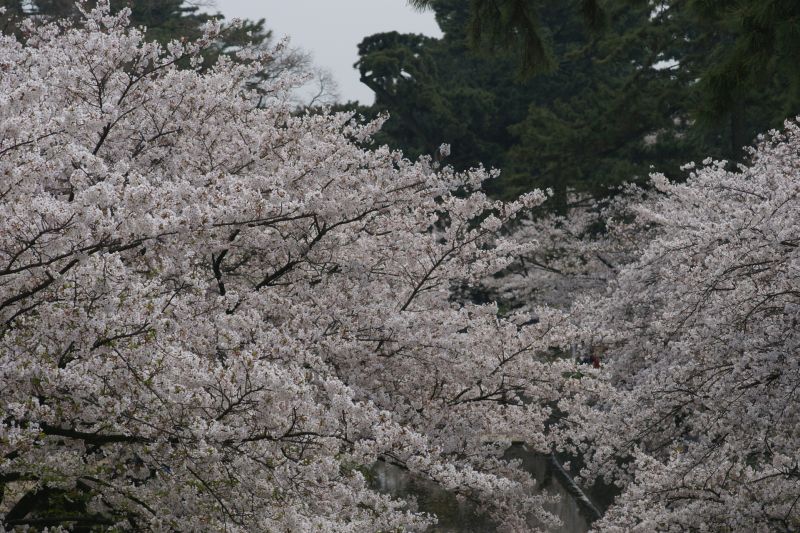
(332, 29)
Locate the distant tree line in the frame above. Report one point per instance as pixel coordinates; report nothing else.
(616, 89)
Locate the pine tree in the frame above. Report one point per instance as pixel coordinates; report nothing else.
(603, 116)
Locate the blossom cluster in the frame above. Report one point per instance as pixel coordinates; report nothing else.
(216, 314)
(694, 413)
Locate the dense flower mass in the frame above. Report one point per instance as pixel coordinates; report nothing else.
(695, 412)
(576, 254)
(215, 314)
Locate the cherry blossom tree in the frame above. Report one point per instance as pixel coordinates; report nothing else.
(695, 411)
(575, 254)
(216, 315)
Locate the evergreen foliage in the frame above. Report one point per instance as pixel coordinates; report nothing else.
(660, 85)
(586, 124)
(165, 20)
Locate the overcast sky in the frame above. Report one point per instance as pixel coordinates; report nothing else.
(332, 29)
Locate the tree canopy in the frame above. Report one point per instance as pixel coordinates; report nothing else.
(216, 314)
(656, 87)
(604, 116)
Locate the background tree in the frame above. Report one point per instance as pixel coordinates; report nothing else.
(604, 116)
(165, 19)
(749, 81)
(514, 25)
(612, 104)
